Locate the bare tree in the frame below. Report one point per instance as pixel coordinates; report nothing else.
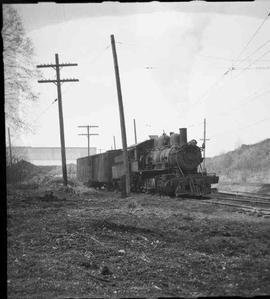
(19, 69)
(15, 158)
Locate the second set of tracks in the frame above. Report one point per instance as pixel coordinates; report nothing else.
(251, 202)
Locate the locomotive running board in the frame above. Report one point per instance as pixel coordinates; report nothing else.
(154, 172)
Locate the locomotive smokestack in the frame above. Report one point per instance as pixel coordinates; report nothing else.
(183, 136)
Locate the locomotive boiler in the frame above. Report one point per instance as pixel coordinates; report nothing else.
(174, 152)
(166, 165)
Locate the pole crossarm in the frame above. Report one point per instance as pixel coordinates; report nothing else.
(69, 80)
(56, 81)
(47, 81)
(54, 65)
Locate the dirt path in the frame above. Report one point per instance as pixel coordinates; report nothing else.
(99, 245)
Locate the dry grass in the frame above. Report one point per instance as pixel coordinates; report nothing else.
(99, 245)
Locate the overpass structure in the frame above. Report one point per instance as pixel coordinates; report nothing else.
(50, 155)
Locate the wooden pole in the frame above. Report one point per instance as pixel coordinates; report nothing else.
(114, 142)
(61, 121)
(58, 82)
(10, 151)
(135, 133)
(88, 139)
(204, 143)
(204, 137)
(122, 119)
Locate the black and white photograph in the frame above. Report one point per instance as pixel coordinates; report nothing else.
(137, 149)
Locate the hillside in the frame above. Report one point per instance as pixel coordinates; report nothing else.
(247, 164)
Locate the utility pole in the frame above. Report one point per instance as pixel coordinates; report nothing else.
(122, 120)
(114, 142)
(135, 134)
(204, 143)
(88, 135)
(10, 151)
(58, 82)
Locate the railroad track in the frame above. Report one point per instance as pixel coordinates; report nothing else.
(250, 198)
(242, 200)
(245, 194)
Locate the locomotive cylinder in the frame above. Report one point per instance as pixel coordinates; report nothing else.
(183, 136)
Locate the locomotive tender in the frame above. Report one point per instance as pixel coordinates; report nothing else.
(167, 165)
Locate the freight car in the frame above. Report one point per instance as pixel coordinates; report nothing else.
(166, 165)
(96, 170)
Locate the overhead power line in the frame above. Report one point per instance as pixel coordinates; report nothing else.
(128, 44)
(245, 68)
(98, 55)
(204, 96)
(227, 113)
(252, 68)
(45, 110)
(215, 57)
(255, 51)
(246, 100)
(242, 128)
(253, 36)
(194, 125)
(64, 12)
(231, 60)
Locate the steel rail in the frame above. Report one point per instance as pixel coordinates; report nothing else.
(249, 208)
(245, 194)
(247, 200)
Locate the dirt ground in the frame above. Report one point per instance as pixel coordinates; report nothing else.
(96, 244)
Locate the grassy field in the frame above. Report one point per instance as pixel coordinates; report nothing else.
(96, 244)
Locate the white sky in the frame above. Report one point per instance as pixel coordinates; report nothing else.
(188, 50)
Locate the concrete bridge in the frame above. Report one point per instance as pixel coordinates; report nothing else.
(50, 155)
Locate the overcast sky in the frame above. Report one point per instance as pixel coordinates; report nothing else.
(172, 59)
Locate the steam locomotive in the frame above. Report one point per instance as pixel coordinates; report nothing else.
(166, 165)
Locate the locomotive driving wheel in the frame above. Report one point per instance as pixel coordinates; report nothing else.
(166, 184)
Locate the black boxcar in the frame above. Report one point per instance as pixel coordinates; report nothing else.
(96, 170)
